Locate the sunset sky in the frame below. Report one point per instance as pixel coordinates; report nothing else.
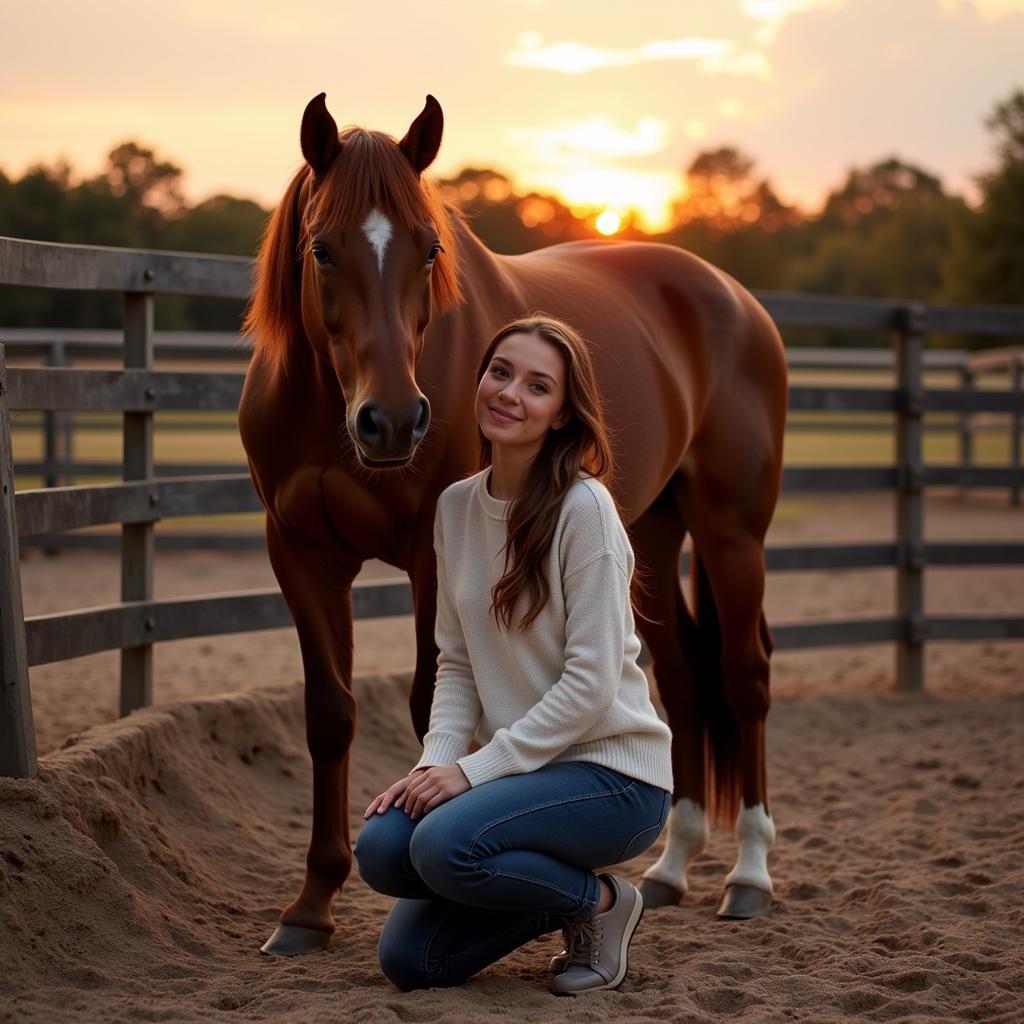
(600, 102)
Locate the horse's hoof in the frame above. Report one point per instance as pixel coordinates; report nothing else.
(743, 902)
(294, 940)
(659, 894)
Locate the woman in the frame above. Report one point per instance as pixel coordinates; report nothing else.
(488, 850)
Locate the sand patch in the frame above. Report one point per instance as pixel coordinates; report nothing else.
(143, 868)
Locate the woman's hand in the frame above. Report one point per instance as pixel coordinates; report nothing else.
(393, 794)
(431, 788)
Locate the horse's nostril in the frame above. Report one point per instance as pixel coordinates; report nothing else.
(382, 437)
(369, 424)
(423, 421)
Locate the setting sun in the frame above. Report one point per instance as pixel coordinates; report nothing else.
(648, 195)
(608, 222)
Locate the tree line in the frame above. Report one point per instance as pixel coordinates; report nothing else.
(890, 229)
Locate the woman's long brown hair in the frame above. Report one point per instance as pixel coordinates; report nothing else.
(580, 445)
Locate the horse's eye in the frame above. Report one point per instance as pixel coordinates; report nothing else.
(320, 253)
(436, 248)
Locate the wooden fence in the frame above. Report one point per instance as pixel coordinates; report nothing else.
(138, 392)
(68, 348)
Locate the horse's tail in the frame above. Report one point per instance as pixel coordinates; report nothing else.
(722, 765)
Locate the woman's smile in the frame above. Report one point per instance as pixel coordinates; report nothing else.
(503, 417)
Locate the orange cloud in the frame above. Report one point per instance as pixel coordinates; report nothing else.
(714, 56)
(990, 10)
(778, 10)
(772, 13)
(596, 136)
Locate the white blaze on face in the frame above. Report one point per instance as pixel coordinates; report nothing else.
(378, 231)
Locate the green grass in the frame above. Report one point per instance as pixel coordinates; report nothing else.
(793, 510)
(179, 443)
(844, 448)
(176, 441)
(803, 447)
(187, 437)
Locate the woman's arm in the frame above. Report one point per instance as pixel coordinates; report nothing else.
(596, 599)
(456, 710)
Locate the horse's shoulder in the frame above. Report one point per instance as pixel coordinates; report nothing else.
(625, 260)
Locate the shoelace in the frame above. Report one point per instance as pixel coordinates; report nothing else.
(569, 938)
(583, 937)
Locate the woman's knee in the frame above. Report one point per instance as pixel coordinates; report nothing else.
(438, 855)
(381, 851)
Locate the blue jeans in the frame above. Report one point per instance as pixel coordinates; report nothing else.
(500, 865)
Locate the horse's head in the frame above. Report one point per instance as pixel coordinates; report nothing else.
(376, 252)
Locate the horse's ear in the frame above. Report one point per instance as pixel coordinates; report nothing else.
(319, 135)
(423, 139)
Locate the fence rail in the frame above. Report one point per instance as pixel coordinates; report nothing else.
(52, 510)
(129, 271)
(59, 397)
(150, 492)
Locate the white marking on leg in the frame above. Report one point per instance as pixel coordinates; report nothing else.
(687, 836)
(378, 231)
(756, 834)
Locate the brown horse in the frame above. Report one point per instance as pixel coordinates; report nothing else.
(372, 306)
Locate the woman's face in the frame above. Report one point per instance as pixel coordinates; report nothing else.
(521, 395)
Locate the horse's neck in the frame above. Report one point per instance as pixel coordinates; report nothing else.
(487, 276)
(456, 340)
(311, 373)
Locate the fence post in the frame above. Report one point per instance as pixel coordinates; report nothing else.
(1016, 383)
(137, 538)
(966, 430)
(56, 434)
(50, 438)
(17, 733)
(910, 499)
(65, 420)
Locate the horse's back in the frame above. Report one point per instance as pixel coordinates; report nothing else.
(665, 304)
(675, 341)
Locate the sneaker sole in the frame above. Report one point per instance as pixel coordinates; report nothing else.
(627, 937)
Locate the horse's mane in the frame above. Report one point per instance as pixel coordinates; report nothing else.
(370, 171)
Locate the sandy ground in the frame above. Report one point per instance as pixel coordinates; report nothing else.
(142, 870)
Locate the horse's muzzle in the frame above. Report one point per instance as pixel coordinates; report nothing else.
(384, 441)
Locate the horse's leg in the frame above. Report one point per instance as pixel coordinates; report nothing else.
(666, 626)
(729, 543)
(317, 585)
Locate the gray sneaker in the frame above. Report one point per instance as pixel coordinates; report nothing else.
(597, 948)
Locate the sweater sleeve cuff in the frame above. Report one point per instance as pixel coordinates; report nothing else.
(440, 749)
(492, 761)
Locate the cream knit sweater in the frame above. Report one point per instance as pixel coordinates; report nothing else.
(568, 689)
